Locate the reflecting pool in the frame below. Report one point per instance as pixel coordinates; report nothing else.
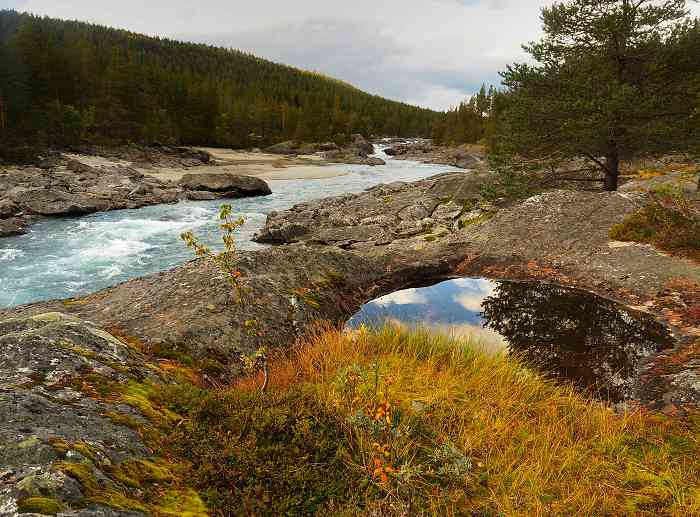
(565, 333)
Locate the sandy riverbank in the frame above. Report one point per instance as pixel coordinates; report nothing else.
(262, 165)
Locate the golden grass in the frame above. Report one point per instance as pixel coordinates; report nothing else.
(535, 448)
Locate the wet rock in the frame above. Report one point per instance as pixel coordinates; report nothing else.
(12, 226)
(57, 202)
(225, 184)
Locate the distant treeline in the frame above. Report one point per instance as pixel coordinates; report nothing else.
(474, 120)
(65, 82)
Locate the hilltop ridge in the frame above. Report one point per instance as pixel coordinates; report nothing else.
(69, 82)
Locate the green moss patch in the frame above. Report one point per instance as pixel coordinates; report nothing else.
(279, 454)
(42, 505)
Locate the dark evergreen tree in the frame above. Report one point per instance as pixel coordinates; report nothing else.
(471, 121)
(613, 80)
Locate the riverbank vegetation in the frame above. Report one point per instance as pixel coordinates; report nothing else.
(65, 83)
(396, 422)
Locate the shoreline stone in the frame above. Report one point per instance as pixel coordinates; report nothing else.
(225, 185)
(70, 187)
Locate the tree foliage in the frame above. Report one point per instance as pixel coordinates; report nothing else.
(62, 83)
(613, 80)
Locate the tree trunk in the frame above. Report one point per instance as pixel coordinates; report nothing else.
(612, 168)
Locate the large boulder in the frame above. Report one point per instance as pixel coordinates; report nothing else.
(225, 184)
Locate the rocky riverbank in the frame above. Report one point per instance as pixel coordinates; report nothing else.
(464, 156)
(357, 151)
(96, 179)
(79, 184)
(340, 252)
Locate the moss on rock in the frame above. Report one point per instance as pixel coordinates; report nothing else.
(41, 505)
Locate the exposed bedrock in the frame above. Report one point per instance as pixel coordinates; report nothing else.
(57, 439)
(340, 252)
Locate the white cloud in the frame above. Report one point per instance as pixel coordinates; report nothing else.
(473, 293)
(471, 302)
(405, 297)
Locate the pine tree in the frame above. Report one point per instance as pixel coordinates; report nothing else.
(612, 82)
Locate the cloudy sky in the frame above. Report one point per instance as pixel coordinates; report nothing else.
(427, 52)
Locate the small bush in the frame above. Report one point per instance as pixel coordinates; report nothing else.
(665, 224)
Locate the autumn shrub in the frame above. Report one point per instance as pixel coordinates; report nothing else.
(226, 261)
(667, 222)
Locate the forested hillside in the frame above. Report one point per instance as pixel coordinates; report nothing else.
(65, 82)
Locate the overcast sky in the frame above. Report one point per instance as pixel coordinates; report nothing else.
(432, 53)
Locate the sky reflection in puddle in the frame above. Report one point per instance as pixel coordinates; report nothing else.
(569, 334)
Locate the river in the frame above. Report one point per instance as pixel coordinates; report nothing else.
(68, 257)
